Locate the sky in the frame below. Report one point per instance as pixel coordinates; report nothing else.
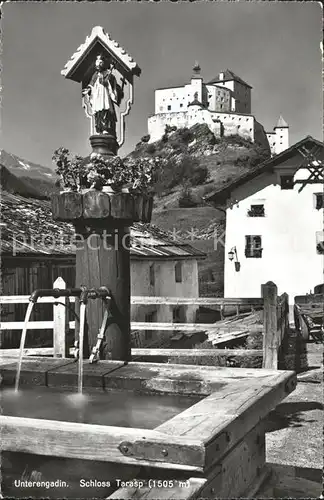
(274, 46)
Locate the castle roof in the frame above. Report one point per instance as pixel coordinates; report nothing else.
(228, 76)
(196, 101)
(281, 123)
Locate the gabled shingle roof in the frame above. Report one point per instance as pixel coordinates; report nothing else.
(27, 228)
(224, 191)
(228, 75)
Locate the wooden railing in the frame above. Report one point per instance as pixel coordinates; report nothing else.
(275, 319)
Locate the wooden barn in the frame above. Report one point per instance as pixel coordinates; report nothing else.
(35, 250)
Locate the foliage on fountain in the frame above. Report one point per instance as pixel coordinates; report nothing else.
(76, 173)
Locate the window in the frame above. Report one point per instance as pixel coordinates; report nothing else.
(178, 272)
(320, 242)
(256, 211)
(181, 105)
(253, 247)
(169, 107)
(152, 275)
(287, 181)
(150, 318)
(178, 314)
(318, 200)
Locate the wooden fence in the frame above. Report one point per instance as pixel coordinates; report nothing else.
(275, 322)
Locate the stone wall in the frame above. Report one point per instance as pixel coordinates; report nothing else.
(230, 123)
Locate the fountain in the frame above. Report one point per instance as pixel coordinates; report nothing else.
(166, 430)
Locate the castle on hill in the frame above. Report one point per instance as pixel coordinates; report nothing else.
(224, 104)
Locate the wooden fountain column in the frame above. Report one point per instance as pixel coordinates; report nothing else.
(102, 221)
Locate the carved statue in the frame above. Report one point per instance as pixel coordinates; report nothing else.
(103, 95)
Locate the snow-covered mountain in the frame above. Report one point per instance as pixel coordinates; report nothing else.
(36, 178)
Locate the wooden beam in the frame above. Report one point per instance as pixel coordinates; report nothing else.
(60, 318)
(195, 353)
(99, 442)
(230, 412)
(195, 327)
(270, 338)
(195, 301)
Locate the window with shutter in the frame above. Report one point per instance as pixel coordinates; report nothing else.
(253, 247)
(319, 198)
(256, 211)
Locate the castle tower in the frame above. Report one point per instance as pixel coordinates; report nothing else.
(282, 135)
(197, 82)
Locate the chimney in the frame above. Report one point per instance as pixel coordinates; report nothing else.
(221, 76)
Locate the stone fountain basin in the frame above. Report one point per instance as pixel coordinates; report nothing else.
(175, 422)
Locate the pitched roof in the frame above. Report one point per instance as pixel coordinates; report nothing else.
(223, 192)
(27, 228)
(98, 36)
(281, 123)
(229, 75)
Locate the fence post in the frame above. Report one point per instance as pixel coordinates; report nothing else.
(270, 323)
(60, 323)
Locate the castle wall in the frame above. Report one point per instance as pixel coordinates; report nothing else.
(233, 124)
(271, 136)
(282, 139)
(219, 99)
(242, 94)
(278, 140)
(171, 100)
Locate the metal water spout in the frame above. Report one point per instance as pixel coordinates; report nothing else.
(54, 292)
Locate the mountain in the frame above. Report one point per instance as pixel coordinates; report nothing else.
(37, 179)
(14, 185)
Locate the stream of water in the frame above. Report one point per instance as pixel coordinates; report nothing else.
(81, 338)
(22, 343)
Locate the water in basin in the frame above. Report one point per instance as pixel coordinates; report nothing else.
(118, 408)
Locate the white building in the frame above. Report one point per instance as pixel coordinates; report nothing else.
(163, 266)
(279, 138)
(274, 223)
(224, 104)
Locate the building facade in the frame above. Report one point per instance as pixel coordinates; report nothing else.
(223, 103)
(274, 224)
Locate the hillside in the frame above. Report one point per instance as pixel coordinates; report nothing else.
(33, 178)
(198, 162)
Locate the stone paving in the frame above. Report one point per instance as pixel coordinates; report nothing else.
(294, 440)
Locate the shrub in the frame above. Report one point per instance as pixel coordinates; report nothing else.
(168, 129)
(151, 149)
(199, 175)
(186, 135)
(145, 138)
(186, 200)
